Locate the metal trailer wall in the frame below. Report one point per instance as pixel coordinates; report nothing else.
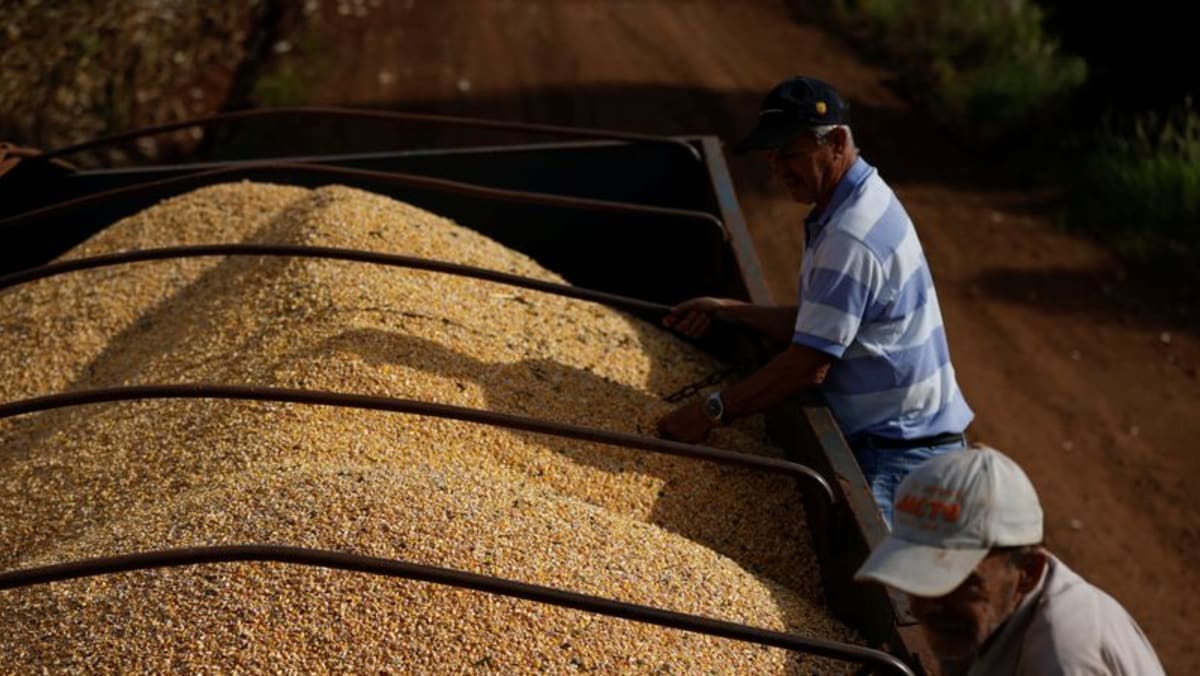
(665, 251)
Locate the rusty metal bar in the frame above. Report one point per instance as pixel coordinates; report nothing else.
(395, 178)
(454, 578)
(396, 405)
(731, 215)
(11, 155)
(331, 253)
(331, 111)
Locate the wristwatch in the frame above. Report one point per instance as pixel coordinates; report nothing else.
(714, 408)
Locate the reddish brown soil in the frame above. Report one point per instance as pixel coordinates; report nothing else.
(1090, 383)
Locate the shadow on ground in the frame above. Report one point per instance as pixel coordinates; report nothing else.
(1101, 294)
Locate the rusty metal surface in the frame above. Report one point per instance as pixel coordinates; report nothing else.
(455, 578)
(395, 178)
(330, 253)
(11, 156)
(859, 499)
(923, 660)
(10, 153)
(858, 494)
(330, 111)
(805, 475)
(735, 225)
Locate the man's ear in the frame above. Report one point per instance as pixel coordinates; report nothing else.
(1032, 566)
(840, 140)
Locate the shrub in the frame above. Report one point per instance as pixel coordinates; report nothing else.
(1139, 187)
(987, 68)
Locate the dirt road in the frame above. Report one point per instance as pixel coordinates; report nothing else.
(1088, 382)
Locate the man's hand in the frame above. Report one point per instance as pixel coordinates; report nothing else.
(693, 318)
(686, 423)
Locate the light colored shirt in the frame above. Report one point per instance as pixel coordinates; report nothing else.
(1067, 626)
(867, 298)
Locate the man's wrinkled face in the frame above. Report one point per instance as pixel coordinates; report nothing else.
(805, 166)
(958, 623)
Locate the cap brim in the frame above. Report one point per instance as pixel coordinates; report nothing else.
(765, 137)
(918, 569)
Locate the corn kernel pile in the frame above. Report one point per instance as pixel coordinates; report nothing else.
(115, 478)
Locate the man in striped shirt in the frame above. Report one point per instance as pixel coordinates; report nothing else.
(867, 331)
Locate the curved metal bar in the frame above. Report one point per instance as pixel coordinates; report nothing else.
(11, 155)
(395, 178)
(454, 578)
(802, 473)
(331, 253)
(332, 111)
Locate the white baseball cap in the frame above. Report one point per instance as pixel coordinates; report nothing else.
(949, 512)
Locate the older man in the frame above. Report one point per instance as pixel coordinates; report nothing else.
(867, 330)
(966, 548)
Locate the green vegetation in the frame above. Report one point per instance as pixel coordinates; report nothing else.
(993, 73)
(985, 67)
(1138, 188)
(286, 80)
(282, 87)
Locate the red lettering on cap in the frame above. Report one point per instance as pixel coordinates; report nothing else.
(925, 508)
(909, 504)
(951, 511)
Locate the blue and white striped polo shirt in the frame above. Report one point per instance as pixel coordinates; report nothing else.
(867, 297)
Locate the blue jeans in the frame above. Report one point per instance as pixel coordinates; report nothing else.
(886, 468)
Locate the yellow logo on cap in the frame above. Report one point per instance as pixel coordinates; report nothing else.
(821, 108)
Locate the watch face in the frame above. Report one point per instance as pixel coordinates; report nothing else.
(713, 407)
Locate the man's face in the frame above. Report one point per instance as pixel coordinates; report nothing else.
(805, 166)
(958, 623)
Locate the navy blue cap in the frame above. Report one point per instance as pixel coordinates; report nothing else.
(794, 105)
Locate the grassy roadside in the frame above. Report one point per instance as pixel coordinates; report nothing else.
(994, 75)
(1138, 188)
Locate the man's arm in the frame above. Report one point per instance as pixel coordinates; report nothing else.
(694, 317)
(791, 371)
(797, 368)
